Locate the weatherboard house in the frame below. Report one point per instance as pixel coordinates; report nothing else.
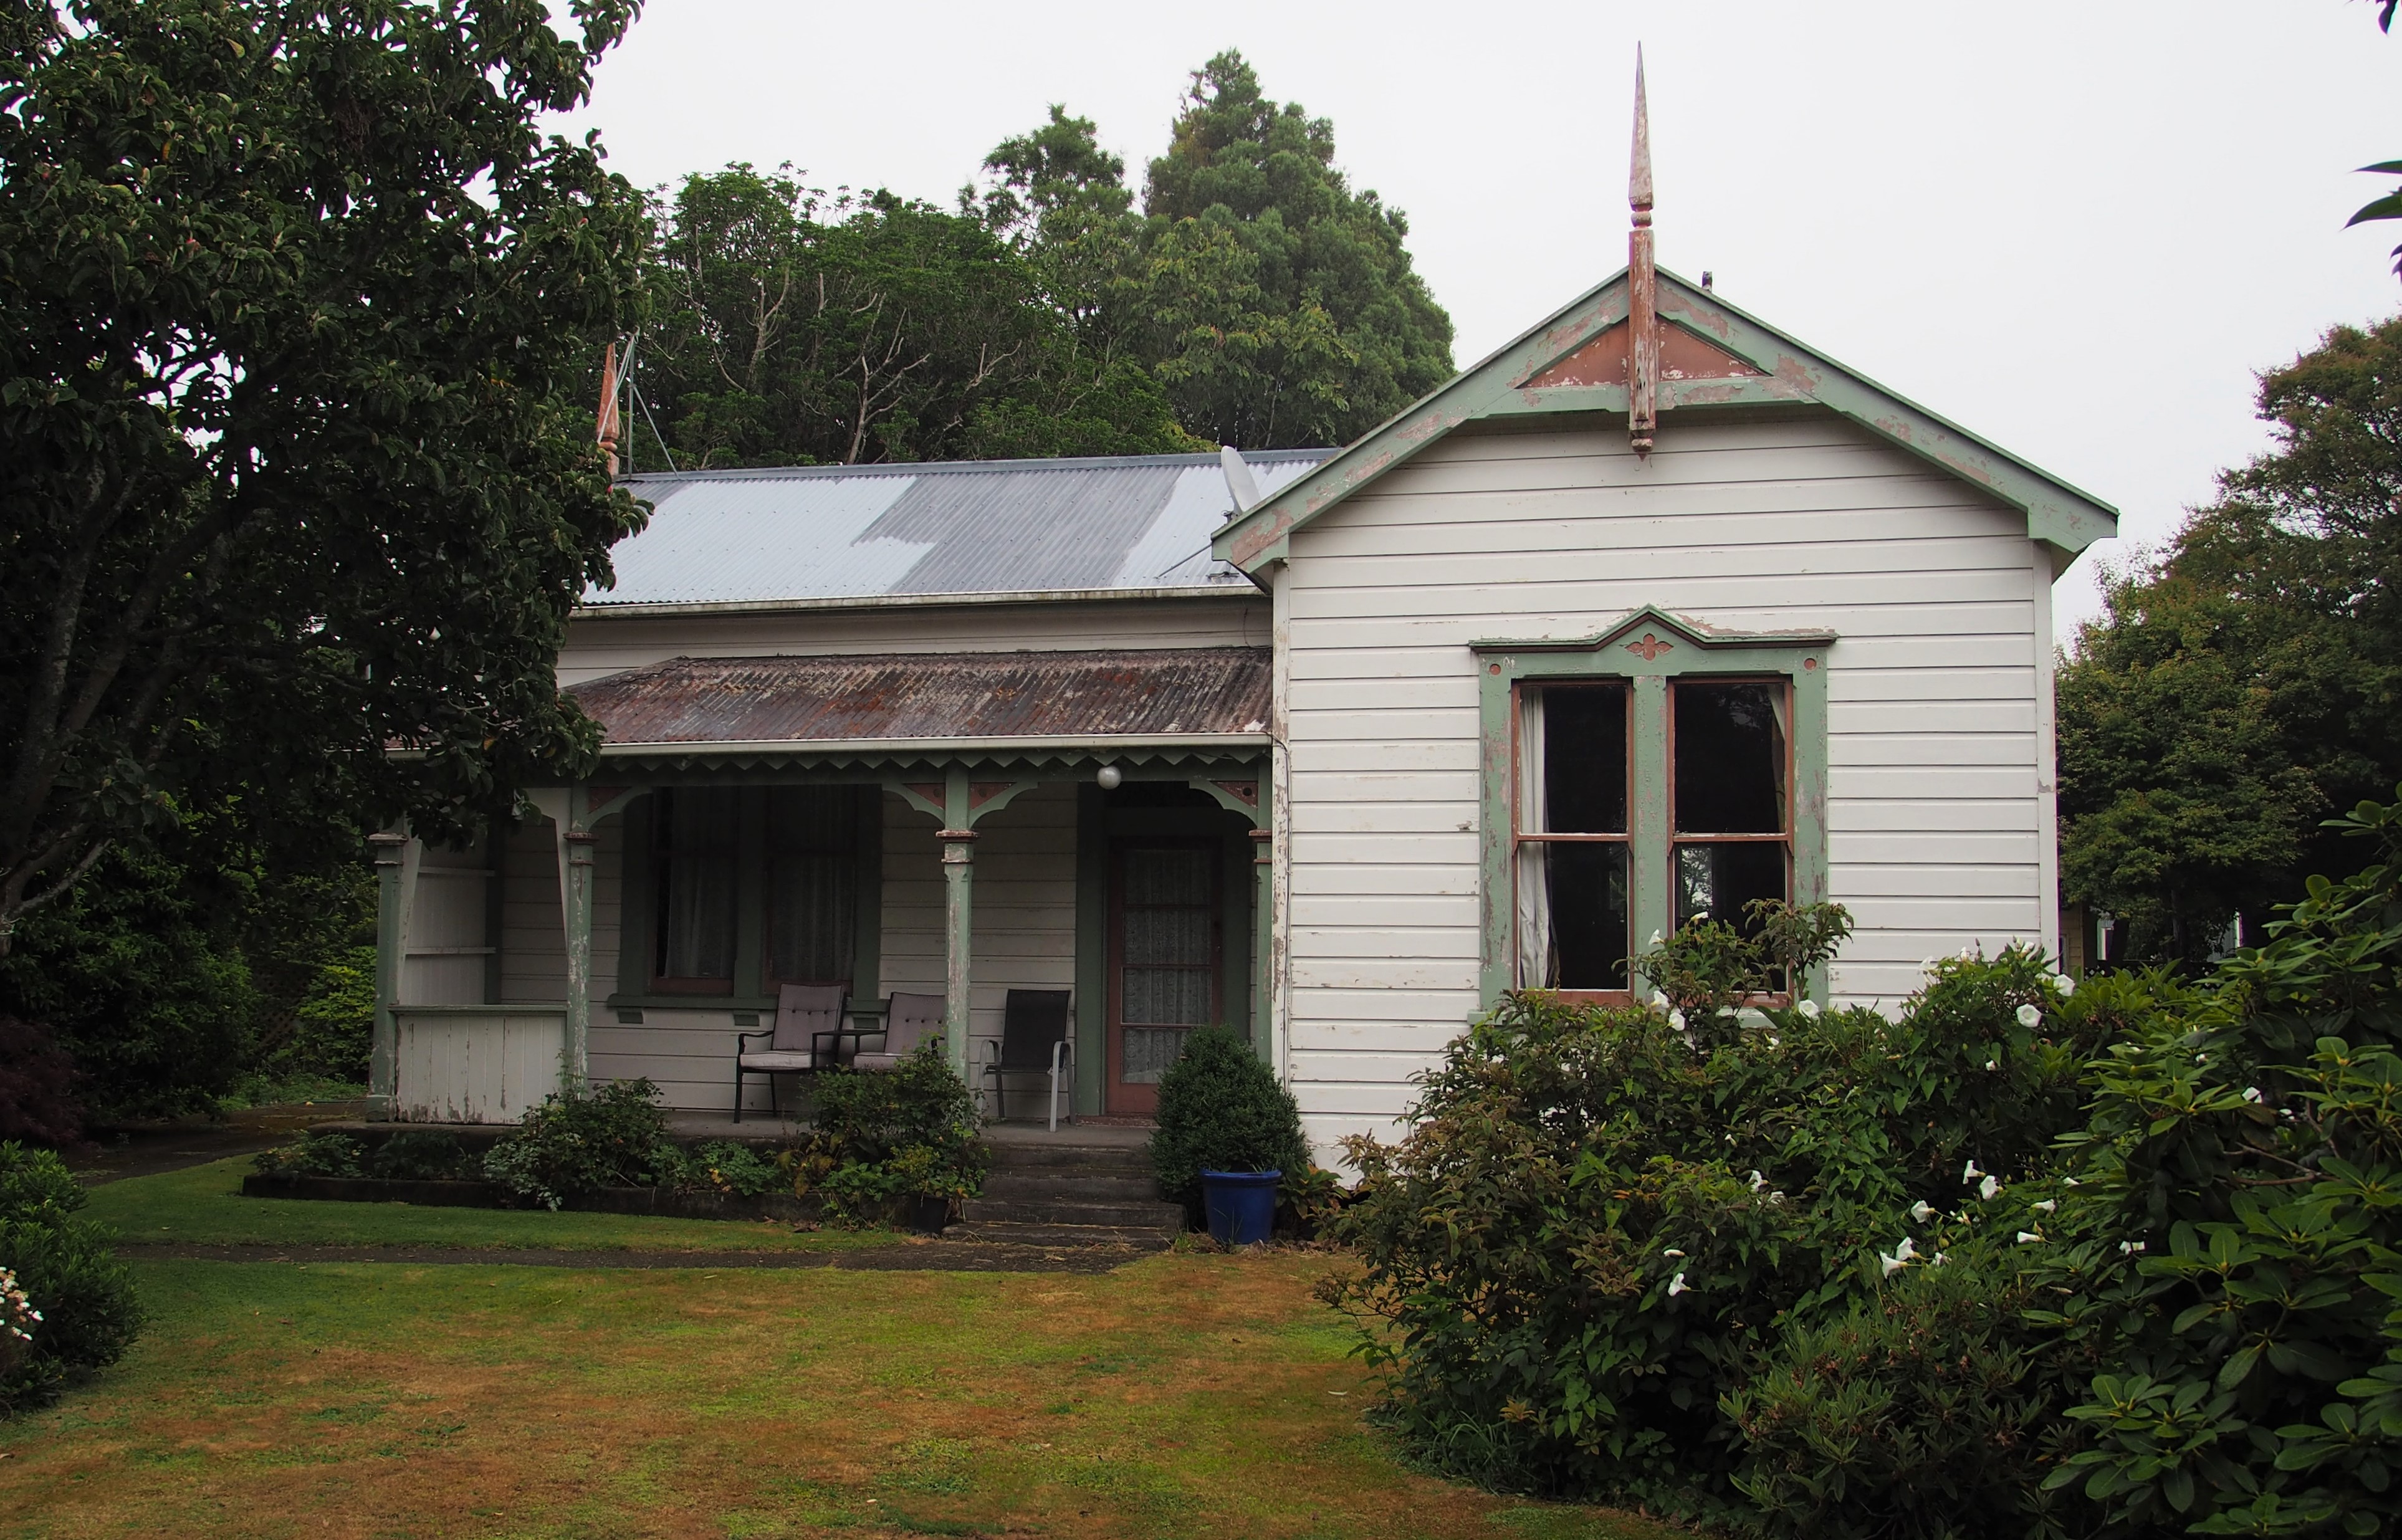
(1653, 612)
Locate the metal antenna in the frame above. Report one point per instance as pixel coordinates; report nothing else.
(1642, 285)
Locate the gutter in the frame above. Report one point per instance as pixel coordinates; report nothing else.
(1101, 742)
(909, 601)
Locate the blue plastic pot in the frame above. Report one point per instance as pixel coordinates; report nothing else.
(1241, 1206)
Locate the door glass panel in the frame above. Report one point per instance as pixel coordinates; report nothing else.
(1583, 732)
(1730, 759)
(1149, 1050)
(1168, 944)
(1721, 880)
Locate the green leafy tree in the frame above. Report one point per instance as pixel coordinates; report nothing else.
(1282, 309)
(299, 316)
(796, 328)
(2244, 683)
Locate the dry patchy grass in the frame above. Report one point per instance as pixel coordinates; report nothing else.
(1179, 1396)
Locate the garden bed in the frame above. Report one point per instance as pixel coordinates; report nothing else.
(664, 1202)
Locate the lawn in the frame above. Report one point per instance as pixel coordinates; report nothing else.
(1177, 1395)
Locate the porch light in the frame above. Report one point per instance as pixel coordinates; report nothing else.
(1110, 778)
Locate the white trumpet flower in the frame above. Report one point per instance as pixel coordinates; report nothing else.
(2028, 1237)
(2047, 1206)
(2064, 984)
(1969, 1172)
(1672, 1251)
(2252, 1095)
(1988, 1189)
(1921, 1211)
(1809, 1009)
(2029, 1015)
(1757, 1181)
(1676, 1286)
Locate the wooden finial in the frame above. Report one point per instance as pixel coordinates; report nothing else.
(1642, 285)
(606, 425)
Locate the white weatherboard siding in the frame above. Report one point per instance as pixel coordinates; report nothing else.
(533, 936)
(445, 945)
(1936, 829)
(1022, 899)
(599, 642)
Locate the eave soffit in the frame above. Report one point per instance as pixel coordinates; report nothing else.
(1713, 355)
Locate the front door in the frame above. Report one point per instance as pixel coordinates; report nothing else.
(1164, 961)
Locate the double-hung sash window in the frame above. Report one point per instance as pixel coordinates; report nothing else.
(755, 886)
(1730, 791)
(1640, 783)
(1572, 836)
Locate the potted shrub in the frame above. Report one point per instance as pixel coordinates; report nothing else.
(1228, 1131)
(930, 1184)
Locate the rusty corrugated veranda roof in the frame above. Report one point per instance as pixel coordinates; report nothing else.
(1201, 692)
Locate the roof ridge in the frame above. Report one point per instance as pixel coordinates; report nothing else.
(956, 467)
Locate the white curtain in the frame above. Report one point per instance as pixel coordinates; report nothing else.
(1538, 969)
(1780, 703)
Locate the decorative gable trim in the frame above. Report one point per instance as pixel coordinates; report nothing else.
(1513, 383)
(1650, 631)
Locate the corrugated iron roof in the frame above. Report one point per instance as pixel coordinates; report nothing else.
(1201, 692)
(968, 527)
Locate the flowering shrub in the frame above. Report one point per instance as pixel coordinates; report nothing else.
(1596, 1227)
(18, 1319)
(87, 1312)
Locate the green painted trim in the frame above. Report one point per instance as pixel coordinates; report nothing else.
(2057, 513)
(998, 801)
(1262, 857)
(383, 1051)
(1092, 947)
(1651, 905)
(1235, 930)
(1503, 667)
(637, 922)
(867, 863)
(1651, 618)
(751, 892)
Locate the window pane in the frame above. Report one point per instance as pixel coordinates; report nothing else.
(812, 915)
(812, 817)
(1721, 880)
(694, 846)
(1582, 729)
(1170, 874)
(812, 893)
(1730, 759)
(1576, 937)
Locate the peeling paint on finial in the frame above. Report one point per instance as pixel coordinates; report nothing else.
(1642, 285)
(606, 427)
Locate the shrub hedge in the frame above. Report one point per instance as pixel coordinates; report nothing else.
(2120, 1260)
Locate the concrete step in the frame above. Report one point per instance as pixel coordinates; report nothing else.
(977, 1211)
(1098, 1157)
(1021, 1232)
(1071, 1185)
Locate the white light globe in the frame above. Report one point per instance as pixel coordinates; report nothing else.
(1110, 778)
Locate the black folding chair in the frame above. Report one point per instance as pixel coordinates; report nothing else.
(1034, 1040)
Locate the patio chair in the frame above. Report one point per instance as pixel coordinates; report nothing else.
(802, 1012)
(908, 1021)
(1034, 1040)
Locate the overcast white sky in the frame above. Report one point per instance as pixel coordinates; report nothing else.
(2075, 229)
